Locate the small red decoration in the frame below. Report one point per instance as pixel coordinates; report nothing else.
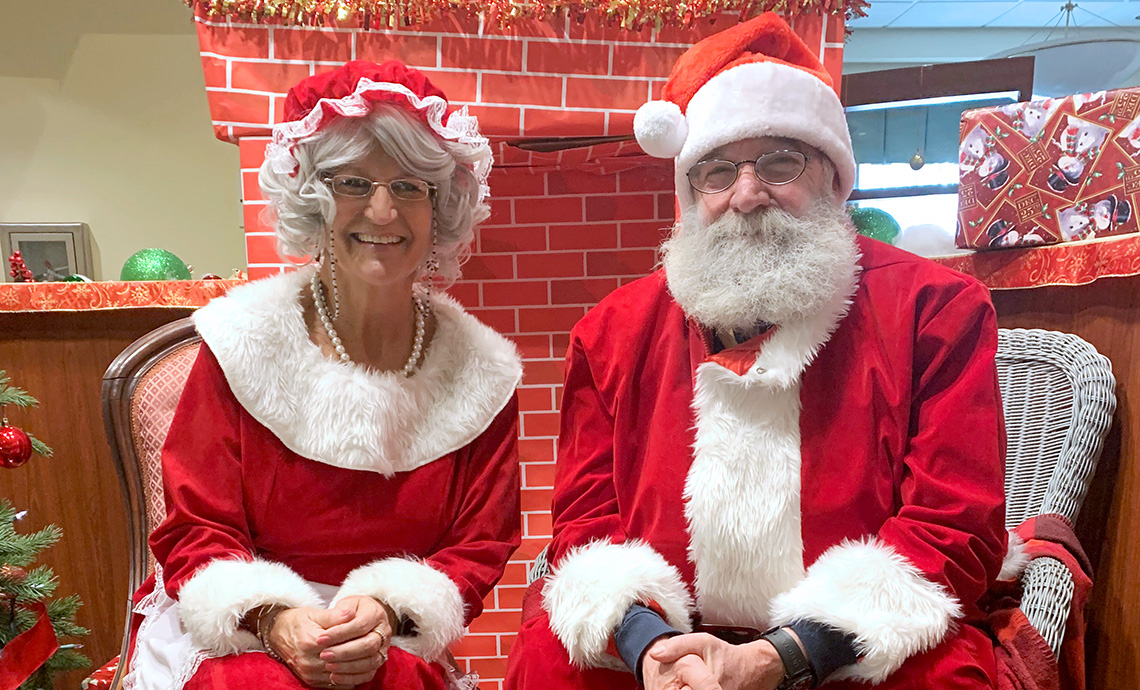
(19, 270)
(15, 449)
(13, 574)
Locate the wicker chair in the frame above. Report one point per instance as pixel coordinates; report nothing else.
(1058, 395)
(141, 388)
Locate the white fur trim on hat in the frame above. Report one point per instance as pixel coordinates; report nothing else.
(415, 590)
(759, 99)
(660, 129)
(594, 585)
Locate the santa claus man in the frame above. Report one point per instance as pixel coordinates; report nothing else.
(781, 456)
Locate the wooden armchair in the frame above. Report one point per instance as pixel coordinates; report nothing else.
(141, 389)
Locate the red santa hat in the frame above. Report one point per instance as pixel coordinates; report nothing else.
(353, 90)
(755, 79)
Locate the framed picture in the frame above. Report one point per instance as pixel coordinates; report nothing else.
(52, 251)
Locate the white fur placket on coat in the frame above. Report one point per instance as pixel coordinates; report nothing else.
(742, 492)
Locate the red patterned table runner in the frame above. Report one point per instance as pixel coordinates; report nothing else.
(1077, 263)
(110, 295)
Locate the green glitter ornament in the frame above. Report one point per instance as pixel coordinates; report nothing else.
(154, 264)
(876, 224)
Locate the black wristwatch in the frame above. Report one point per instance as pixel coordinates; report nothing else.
(798, 673)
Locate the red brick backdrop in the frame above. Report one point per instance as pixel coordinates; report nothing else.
(566, 228)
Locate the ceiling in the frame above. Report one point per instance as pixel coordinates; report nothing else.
(904, 33)
(37, 38)
(927, 14)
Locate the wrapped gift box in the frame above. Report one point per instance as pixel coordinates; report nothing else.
(1048, 171)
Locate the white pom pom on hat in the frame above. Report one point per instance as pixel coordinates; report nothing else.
(660, 128)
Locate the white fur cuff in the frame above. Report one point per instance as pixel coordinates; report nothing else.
(1016, 558)
(415, 590)
(593, 587)
(872, 592)
(213, 601)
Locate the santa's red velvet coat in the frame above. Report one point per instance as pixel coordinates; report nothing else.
(284, 469)
(846, 469)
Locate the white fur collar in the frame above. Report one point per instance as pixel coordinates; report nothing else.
(345, 415)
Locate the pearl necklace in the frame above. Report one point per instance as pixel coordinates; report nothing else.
(420, 303)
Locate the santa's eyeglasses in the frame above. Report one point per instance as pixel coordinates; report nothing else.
(775, 168)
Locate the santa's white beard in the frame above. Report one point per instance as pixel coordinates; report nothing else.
(767, 266)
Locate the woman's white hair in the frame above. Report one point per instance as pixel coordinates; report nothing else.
(302, 206)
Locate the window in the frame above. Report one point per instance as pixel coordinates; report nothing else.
(894, 115)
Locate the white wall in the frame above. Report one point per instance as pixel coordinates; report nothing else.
(123, 142)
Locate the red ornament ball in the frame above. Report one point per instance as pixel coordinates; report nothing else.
(15, 446)
(13, 573)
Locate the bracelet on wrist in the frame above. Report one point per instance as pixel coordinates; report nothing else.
(402, 626)
(265, 620)
(393, 619)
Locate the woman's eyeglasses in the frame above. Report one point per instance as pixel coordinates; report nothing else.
(775, 168)
(404, 189)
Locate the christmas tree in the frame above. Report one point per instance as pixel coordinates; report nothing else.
(24, 601)
(30, 622)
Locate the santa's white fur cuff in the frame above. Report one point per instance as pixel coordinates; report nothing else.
(867, 589)
(593, 587)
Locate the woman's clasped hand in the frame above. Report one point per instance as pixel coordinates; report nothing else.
(342, 646)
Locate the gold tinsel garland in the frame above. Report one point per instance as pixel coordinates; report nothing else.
(389, 14)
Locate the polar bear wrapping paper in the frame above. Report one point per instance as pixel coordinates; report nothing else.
(1048, 171)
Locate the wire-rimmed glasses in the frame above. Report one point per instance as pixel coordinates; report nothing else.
(775, 168)
(355, 186)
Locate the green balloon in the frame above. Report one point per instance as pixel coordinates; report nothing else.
(875, 223)
(154, 264)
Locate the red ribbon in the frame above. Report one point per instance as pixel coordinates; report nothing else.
(28, 651)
